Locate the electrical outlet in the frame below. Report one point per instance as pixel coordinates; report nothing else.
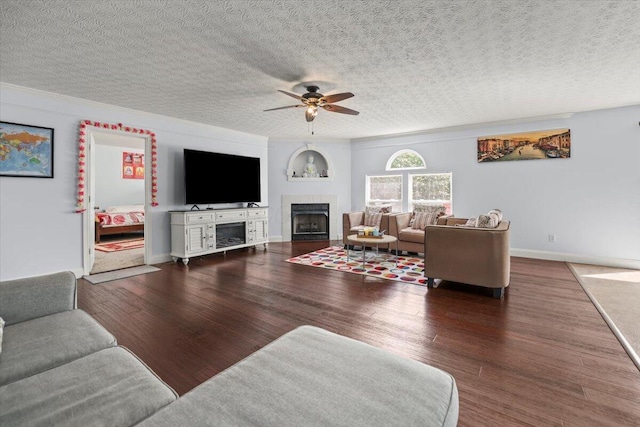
(552, 238)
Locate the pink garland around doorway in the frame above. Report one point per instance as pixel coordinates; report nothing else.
(82, 141)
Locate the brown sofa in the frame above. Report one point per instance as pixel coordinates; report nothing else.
(475, 256)
(354, 221)
(409, 239)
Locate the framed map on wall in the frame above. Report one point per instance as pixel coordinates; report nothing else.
(26, 150)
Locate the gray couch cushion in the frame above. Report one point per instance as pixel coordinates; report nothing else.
(33, 297)
(108, 388)
(36, 345)
(312, 377)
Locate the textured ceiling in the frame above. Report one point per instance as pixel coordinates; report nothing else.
(412, 65)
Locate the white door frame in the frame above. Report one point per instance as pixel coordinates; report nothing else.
(88, 220)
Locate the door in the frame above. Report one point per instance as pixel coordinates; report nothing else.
(107, 148)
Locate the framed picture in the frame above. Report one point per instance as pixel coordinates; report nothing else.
(26, 150)
(132, 165)
(534, 145)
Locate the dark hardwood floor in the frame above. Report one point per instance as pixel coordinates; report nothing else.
(542, 356)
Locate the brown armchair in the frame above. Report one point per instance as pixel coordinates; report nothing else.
(475, 256)
(353, 221)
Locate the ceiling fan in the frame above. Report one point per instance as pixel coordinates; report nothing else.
(312, 100)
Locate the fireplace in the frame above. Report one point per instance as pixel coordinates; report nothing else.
(287, 201)
(309, 221)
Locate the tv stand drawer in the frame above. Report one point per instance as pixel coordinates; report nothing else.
(257, 213)
(230, 215)
(193, 218)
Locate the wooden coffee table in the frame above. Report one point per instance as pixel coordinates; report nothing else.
(371, 241)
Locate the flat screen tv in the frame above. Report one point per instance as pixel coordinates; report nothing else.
(220, 178)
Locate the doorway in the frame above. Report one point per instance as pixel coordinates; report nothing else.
(116, 224)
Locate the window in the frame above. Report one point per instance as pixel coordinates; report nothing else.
(385, 190)
(406, 159)
(432, 189)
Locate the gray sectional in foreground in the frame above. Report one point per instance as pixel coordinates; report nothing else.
(58, 366)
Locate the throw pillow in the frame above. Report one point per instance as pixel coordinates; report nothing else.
(430, 208)
(497, 212)
(1, 330)
(487, 221)
(472, 222)
(372, 219)
(495, 219)
(379, 209)
(423, 219)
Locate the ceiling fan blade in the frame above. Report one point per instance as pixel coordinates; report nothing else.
(339, 109)
(288, 106)
(293, 95)
(337, 97)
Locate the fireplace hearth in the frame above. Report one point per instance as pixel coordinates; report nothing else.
(309, 221)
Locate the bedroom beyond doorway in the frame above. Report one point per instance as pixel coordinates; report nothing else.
(118, 252)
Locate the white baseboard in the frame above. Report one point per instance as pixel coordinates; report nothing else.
(159, 259)
(78, 272)
(579, 259)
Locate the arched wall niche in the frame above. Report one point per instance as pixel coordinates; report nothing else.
(298, 160)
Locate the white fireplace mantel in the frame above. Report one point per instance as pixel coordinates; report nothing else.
(331, 199)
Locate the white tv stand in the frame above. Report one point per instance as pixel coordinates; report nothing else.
(196, 233)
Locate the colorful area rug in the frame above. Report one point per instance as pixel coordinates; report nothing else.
(408, 269)
(120, 246)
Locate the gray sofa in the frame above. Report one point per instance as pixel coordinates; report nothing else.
(58, 366)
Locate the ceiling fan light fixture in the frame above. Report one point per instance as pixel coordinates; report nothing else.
(310, 113)
(312, 100)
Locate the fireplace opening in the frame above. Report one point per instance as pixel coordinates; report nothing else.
(309, 221)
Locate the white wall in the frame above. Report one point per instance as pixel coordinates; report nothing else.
(591, 202)
(40, 231)
(111, 189)
(280, 152)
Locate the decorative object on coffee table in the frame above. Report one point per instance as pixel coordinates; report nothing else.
(371, 240)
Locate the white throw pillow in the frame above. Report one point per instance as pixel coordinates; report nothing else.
(472, 222)
(498, 212)
(125, 209)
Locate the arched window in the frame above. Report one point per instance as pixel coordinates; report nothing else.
(405, 159)
(433, 189)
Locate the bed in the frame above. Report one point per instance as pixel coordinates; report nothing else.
(119, 220)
